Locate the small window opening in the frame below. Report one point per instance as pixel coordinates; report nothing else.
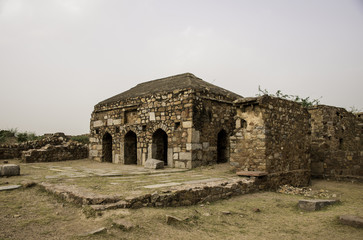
(117, 129)
(176, 125)
(143, 127)
(97, 131)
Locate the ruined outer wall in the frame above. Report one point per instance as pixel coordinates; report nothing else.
(247, 143)
(170, 111)
(211, 114)
(336, 148)
(287, 132)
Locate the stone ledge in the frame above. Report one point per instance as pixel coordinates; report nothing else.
(351, 220)
(315, 204)
(251, 173)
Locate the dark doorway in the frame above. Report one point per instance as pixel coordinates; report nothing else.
(160, 146)
(107, 148)
(222, 149)
(130, 148)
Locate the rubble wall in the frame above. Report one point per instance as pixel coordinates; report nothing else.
(170, 111)
(287, 130)
(9, 151)
(211, 114)
(336, 146)
(247, 143)
(55, 153)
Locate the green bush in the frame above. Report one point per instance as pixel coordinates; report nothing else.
(81, 138)
(305, 102)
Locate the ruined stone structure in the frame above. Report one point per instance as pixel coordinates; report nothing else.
(271, 135)
(50, 148)
(181, 120)
(187, 122)
(336, 146)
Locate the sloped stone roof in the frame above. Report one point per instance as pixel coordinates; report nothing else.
(169, 84)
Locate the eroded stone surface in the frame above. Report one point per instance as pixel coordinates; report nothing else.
(351, 220)
(154, 164)
(9, 187)
(8, 170)
(315, 204)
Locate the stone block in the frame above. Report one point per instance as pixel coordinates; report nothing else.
(251, 173)
(179, 164)
(315, 204)
(116, 121)
(351, 220)
(154, 164)
(10, 170)
(98, 123)
(185, 156)
(9, 187)
(205, 145)
(187, 124)
(109, 122)
(93, 153)
(152, 116)
(195, 136)
(123, 224)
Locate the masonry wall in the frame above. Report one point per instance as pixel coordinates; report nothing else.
(287, 135)
(171, 112)
(211, 114)
(248, 139)
(336, 148)
(271, 135)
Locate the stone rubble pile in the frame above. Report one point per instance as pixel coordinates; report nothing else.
(305, 191)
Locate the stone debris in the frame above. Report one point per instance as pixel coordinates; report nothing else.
(351, 220)
(306, 192)
(9, 187)
(96, 231)
(154, 164)
(9, 170)
(315, 204)
(172, 219)
(226, 212)
(123, 224)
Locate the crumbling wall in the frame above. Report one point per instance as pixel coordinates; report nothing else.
(54, 153)
(211, 114)
(9, 151)
(287, 135)
(336, 146)
(272, 135)
(247, 143)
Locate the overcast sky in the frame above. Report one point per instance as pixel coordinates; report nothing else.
(58, 58)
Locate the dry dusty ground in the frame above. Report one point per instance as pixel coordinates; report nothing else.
(29, 213)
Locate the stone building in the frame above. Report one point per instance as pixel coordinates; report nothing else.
(272, 135)
(336, 146)
(181, 120)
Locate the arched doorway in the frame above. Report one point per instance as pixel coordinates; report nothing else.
(222, 147)
(130, 152)
(107, 148)
(160, 146)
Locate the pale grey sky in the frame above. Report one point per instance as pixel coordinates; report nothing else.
(58, 58)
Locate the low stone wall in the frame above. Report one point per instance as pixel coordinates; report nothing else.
(50, 153)
(10, 151)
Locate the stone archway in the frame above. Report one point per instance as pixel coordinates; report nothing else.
(130, 148)
(160, 146)
(107, 148)
(222, 147)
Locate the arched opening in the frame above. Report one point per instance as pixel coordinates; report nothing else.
(130, 153)
(160, 146)
(107, 148)
(222, 147)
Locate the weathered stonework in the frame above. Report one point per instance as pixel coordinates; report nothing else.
(336, 146)
(272, 135)
(175, 119)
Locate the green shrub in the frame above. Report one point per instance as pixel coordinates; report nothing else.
(81, 138)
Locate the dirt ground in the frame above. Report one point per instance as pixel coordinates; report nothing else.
(30, 213)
